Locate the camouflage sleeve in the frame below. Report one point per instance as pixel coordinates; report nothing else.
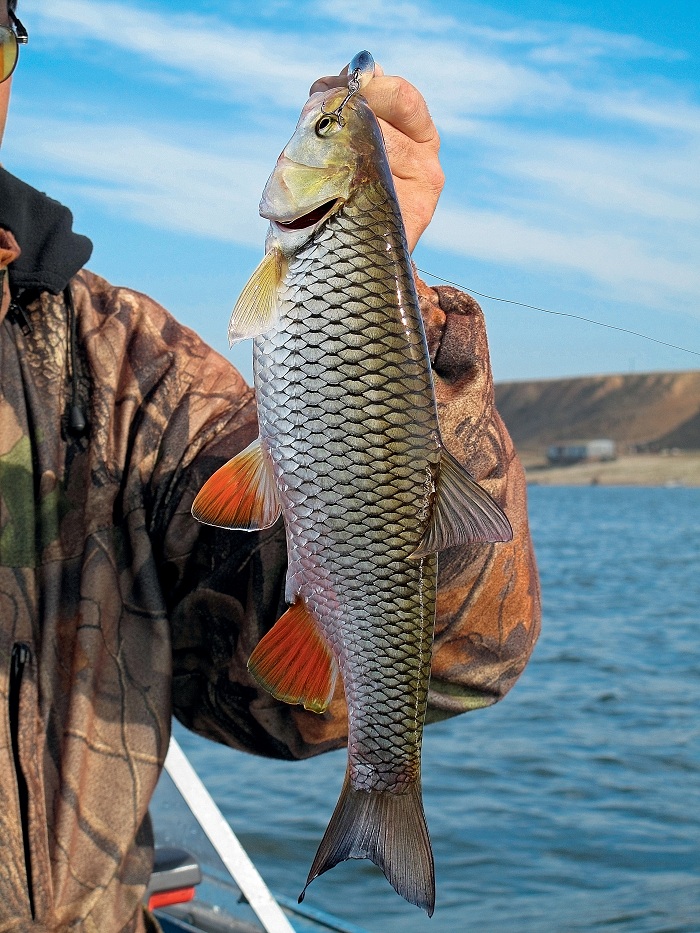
(226, 589)
(488, 610)
(223, 589)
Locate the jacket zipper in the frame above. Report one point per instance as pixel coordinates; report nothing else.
(21, 655)
(17, 315)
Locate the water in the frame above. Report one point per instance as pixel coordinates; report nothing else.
(575, 803)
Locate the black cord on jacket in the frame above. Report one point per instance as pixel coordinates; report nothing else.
(77, 422)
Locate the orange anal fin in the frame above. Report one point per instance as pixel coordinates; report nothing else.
(294, 662)
(241, 494)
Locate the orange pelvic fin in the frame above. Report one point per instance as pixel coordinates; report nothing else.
(463, 512)
(241, 494)
(294, 661)
(255, 312)
(390, 830)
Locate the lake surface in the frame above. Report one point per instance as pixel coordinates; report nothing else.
(572, 805)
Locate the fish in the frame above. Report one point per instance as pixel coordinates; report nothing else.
(349, 453)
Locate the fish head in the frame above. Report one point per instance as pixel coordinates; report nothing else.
(336, 148)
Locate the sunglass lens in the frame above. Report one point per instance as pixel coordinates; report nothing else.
(8, 52)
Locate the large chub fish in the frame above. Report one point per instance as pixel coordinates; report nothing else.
(350, 453)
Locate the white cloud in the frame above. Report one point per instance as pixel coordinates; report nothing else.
(402, 16)
(461, 82)
(467, 73)
(148, 178)
(628, 267)
(626, 217)
(661, 185)
(599, 178)
(248, 64)
(656, 113)
(575, 45)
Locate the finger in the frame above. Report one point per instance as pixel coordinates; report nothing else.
(411, 161)
(394, 101)
(399, 103)
(463, 355)
(407, 157)
(328, 82)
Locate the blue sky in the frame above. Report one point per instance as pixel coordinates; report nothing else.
(571, 145)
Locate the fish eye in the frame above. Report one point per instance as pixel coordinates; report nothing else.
(326, 125)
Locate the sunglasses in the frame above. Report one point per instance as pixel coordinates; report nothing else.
(11, 37)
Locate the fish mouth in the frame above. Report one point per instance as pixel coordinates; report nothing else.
(311, 219)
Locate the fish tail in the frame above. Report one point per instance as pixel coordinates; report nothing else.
(389, 829)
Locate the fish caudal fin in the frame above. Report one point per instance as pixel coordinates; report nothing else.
(390, 830)
(294, 662)
(241, 494)
(463, 512)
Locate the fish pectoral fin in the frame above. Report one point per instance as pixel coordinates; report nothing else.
(241, 494)
(294, 662)
(255, 312)
(463, 512)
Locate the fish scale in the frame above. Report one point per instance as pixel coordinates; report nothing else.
(350, 453)
(381, 463)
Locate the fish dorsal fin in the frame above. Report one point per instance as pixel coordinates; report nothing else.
(294, 662)
(255, 312)
(463, 512)
(241, 494)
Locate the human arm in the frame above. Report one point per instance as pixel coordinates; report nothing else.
(226, 588)
(488, 610)
(488, 603)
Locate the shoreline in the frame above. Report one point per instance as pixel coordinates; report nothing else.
(681, 469)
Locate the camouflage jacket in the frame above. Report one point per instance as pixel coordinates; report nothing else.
(117, 609)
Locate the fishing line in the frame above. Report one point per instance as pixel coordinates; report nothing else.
(577, 317)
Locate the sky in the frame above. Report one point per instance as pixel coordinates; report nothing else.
(570, 142)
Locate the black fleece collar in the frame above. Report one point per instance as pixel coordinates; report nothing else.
(51, 252)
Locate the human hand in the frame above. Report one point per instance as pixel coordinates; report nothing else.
(412, 144)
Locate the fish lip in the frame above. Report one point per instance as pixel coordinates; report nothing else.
(310, 218)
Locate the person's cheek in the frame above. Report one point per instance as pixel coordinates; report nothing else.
(4, 103)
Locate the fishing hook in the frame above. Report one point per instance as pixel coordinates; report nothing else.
(360, 73)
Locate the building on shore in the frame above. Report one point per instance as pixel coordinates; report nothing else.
(586, 451)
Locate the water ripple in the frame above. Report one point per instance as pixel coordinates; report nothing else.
(574, 805)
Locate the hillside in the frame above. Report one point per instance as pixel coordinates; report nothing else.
(648, 410)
